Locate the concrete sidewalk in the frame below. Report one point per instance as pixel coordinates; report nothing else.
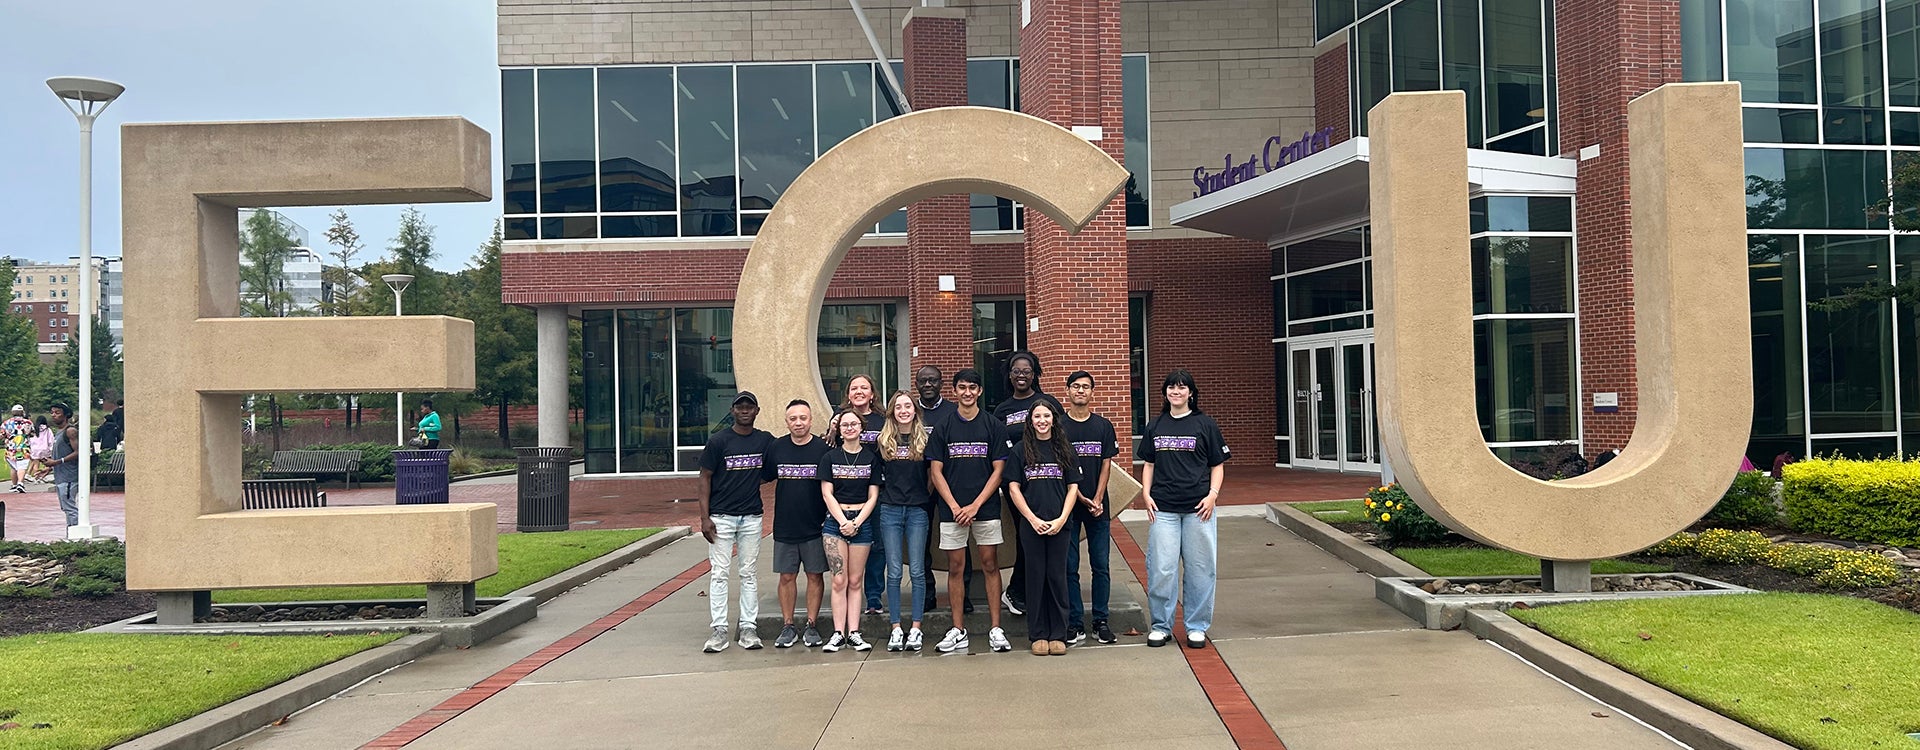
(1327, 665)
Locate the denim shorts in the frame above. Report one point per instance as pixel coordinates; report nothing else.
(831, 527)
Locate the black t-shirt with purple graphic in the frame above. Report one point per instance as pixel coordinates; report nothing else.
(870, 428)
(736, 462)
(906, 479)
(1183, 451)
(1044, 481)
(795, 470)
(851, 473)
(1013, 413)
(966, 450)
(1094, 442)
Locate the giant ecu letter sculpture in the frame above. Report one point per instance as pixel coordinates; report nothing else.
(1690, 315)
(190, 359)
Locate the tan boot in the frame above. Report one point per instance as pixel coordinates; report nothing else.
(1040, 648)
(1057, 648)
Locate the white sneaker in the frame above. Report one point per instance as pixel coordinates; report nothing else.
(719, 641)
(1157, 639)
(859, 642)
(896, 641)
(749, 637)
(1196, 640)
(913, 639)
(956, 638)
(1006, 600)
(997, 640)
(834, 643)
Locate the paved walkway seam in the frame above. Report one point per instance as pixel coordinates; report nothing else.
(546, 589)
(1248, 727)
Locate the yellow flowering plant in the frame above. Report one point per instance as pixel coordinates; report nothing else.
(1396, 517)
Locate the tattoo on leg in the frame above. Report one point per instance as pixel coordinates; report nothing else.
(833, 556)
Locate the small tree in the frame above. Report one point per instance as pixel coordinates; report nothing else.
(21, 374)
(505, 366)
(346, 243)
(264, 246)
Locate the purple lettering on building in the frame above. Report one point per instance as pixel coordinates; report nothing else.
(1276, 153)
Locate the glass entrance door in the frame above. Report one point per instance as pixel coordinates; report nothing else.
(1334, 426)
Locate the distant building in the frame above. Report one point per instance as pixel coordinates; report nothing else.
(304, 276)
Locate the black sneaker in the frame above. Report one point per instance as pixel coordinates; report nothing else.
(967, 607)
(1102, 633)
(1075, 636)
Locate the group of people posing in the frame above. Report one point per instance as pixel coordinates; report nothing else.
(1033, 467)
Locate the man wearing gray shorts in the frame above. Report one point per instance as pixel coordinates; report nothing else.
(798, 510)
(968, 451)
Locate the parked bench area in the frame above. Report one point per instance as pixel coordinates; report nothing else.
(312, 463)
(114, 468)
(261, 494)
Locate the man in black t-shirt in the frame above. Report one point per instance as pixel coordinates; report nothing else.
(1023, 381)
(1094, 442)
(793, 463)
(730, 511)
(967, 451)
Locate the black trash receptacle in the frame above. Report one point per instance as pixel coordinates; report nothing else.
(544, 500)
(420, 477)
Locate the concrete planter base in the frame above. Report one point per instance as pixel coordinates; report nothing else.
(1449, 611)
(501, 616)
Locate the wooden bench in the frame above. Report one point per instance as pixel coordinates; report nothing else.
(259, 494)
(316, 462)
(115, 467)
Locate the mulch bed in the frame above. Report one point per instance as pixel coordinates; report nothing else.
(63, 613)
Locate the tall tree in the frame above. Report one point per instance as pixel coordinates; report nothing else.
(505, 368)
(340, 274)
(264, 246)
(21, 374)
(107, 377)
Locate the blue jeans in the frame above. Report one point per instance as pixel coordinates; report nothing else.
(1182, 552)
(903, 531)
(1099, 543)
(69, 505)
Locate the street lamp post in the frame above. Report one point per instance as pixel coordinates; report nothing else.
(398, 282)
(86, 98)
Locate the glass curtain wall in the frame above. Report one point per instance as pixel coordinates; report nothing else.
(621, 152)
(1831, 90)
(1500, 52)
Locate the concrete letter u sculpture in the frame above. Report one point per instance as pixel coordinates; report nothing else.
(1694, 364)
(850, 188)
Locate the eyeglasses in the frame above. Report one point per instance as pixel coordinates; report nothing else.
(1080, 387)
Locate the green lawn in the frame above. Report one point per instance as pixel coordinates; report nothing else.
(524, 559)
(1459, 562)
(1813, 670)
(1335, 511)
(98, 689)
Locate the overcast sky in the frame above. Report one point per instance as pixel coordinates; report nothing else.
(232, 60)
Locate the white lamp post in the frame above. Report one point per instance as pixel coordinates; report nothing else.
(398, 282)
(86, 98)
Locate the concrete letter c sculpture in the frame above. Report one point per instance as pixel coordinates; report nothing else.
(851, 187)
(1692, 347)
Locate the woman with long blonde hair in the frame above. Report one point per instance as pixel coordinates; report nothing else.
(904, 512)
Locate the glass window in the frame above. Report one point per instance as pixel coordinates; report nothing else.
(520, 229)
(1368, 6)
(518, 189)
(1321, 251)
(1523, 377)
(1139, 312)
(1849, 351)
(854, 340)
(988, 86)
(596, 384)
(1851, 65)
(1530, 142)
(1770, 50)
(1373, 77)
(703, 362)
(1814, 189)
(707, 182)
(662, 225)
(1133, 87)
(1416, 45)
(1516, 66)
(845, 96)
(1856, 448)
(1330, 16)
(646, 390)
(1768, 125)
(1460, 55)
(776, 130)
(1903, 53)
(1905, 127)
(887, 107)
(566, 141)
(1699, 40)
(997, 333)
(1522, 275)
(1335, 291)
(1507, 213)
(1906, 265)
(636, 140)
(566, 227)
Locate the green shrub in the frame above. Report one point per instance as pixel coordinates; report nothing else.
(1674, 546)
(1869, 501)
(1858, 570)
(1733, 547)
(1399, 518)
(376, 459)
(105, 567)
(1748, 502)
(1801, 559)
(88, 585)
(25, 592)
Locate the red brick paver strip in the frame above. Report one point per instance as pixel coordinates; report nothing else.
(451, 708)
(1244, 721)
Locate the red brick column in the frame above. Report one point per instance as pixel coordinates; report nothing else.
(1077, 285)
(1608, 52)
(939, 234)
(1331, 106)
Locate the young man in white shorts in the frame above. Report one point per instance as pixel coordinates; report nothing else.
(968, 452)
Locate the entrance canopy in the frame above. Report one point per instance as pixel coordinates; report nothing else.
(1327, 192)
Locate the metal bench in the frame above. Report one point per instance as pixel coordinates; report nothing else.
(260, 494)
(115, 467)
(316, 462)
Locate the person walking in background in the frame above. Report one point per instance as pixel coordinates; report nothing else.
(113, 428)
(730, 515)
(1043, 479)
(1183, 451)
(429, 427)
(66, 461)
(17, 431)
(850, 476)
(904, 503)
(1094, 443)
(40, 451)
(793, 463)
